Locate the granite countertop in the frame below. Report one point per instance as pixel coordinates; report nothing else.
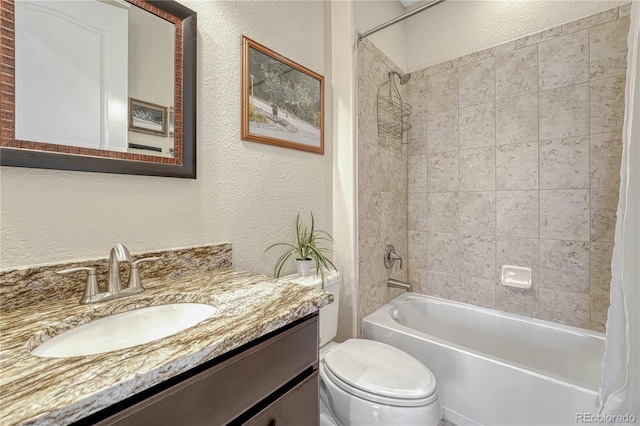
(37, 390)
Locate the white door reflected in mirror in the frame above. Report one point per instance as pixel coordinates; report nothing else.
(77, 66)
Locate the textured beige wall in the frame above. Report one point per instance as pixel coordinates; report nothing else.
(391, 41)
(246, 193)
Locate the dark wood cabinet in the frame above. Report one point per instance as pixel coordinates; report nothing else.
(269, 382)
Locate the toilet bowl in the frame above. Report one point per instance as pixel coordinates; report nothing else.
(365, 382)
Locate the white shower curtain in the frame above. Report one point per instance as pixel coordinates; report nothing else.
(619, 388)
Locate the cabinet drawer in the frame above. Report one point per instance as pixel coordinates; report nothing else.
(223, 392)
(297, 407)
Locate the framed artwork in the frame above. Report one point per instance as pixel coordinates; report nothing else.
(282, 101)
(145, 117)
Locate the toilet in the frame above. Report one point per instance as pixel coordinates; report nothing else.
(364, 382)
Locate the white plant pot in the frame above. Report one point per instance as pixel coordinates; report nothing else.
(304, 267)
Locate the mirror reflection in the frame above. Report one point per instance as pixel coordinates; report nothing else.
(95, 74)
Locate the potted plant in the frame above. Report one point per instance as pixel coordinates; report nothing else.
(309, 249)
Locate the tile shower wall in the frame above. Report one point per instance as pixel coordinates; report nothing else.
(514, 159)
(382, 188)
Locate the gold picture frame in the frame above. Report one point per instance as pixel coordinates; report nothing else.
(282, 101)
(145, 117)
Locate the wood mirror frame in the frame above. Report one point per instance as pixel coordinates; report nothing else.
(21, 153)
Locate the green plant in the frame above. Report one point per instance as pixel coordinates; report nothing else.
(309, 246)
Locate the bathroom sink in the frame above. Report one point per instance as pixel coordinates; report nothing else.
(125, 330)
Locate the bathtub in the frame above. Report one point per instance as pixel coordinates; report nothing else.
(495, 368)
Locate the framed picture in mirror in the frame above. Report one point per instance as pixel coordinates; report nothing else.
(145, 117)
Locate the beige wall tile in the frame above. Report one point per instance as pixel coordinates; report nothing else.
(564, 61)
(518, 252)
(565, 265)
(416, 138)
(517, 213)
(601, 254)
(607, 105)
(442, 210)
(477, 83)
(442, 91)
(393, 212)
(417, 211)
(591, 21)
(517, 301)
(416, 173)
(442, 131)
(517, 119)
(477, 256)
(517, 166)
(417, 246)
(564, 308)
(371, 178)
(539, 37)
(477, 169)
(517, 73)
(608, 48)
(564, 163)
(625, 10)
(443, 253)
(477, 213)
(477, 126)
(442, 172)
(598, 313)
(604, 204)
(369, 211)
(606, 154)
(564, 112)
(442, 285)
(417, 93)
(477, 291)
(564, 214)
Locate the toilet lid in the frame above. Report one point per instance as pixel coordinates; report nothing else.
(380, 369)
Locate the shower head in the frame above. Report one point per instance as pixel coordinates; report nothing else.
(404, 78)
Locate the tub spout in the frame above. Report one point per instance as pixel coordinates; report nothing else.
(392, 282)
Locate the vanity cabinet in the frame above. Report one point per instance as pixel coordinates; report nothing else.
(269, 382)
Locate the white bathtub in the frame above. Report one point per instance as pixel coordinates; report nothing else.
(495, 368)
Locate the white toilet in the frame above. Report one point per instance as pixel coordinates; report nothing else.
(364, 382)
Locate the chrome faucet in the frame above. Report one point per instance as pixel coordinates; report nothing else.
(119, 253)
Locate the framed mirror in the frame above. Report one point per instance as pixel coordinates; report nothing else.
(99, 85)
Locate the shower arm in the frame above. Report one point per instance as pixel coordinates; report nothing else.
(398, 19)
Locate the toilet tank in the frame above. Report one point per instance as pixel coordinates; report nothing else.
(328, 314)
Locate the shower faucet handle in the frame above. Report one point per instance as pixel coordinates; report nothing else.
(390, 257)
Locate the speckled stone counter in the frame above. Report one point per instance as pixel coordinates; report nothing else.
(36, 390)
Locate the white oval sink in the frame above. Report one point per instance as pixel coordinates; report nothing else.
(125, 330)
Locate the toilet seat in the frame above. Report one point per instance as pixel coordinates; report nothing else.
(379, 373)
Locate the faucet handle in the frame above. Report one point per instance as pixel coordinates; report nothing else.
(91, 289)
(390, 257)
(135, 284)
